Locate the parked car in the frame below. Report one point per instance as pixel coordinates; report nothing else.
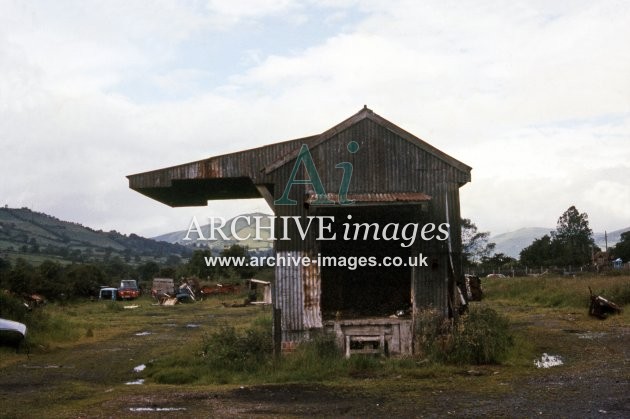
(128, 289)
(12, 333)
(108, 293)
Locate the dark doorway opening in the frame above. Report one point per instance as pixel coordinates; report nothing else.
(367, 291)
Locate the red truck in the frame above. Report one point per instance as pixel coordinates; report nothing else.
(128, 289)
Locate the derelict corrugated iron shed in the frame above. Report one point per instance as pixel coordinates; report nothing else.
(396, 177)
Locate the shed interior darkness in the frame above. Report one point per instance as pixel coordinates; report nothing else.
(367, 291)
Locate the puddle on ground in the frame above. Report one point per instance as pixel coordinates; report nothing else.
(143, 333)
(169, 325)
(139, 368)
(137, 382)
(548, 361)
(192, 325)
(157, 409)
(586, 334)
(591, 335)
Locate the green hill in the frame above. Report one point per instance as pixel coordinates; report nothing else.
(37, 236)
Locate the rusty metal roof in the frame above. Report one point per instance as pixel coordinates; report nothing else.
(249, 173)
(367, 113)
(370, 198)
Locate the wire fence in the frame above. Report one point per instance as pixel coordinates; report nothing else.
(516, 271)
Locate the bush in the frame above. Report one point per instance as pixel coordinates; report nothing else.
(12, 308)
(481, 337)
(431, 332)
(227, 349)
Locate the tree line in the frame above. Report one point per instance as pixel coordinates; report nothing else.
(570, 244)
(57, 281)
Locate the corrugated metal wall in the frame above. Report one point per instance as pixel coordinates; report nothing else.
(384, 163)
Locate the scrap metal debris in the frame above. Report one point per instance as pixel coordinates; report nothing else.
(219, 289)
(183, 294)
(600, 307)
(168, 301)
(34, 300)
(468, 289)
(473, 287)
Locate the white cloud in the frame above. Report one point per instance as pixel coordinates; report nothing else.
(239, 9)
(225, 15)
(535, 96)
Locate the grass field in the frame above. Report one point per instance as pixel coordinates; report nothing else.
(84, 354)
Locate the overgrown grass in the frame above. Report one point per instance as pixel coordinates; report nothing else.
(231, 356)
(45, 325)
(483, 336)
(557, 292)
(241, 352)
(225, 355)
(480, 337)
(315, 360)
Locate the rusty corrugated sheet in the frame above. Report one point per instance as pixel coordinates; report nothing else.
(312, 290)
(406, 197)
(257, 164)
(243, 163)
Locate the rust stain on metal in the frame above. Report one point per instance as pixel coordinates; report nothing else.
(373, 197)
(210, 169)
(311, 286)
(312, 292)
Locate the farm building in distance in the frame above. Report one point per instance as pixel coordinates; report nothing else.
(395, 178)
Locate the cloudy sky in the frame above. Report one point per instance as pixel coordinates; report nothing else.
(534, 95)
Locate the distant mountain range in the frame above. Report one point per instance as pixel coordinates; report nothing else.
(25, 232)
(241, 227)
(513, 242)
(510, 243)
(32, 234)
